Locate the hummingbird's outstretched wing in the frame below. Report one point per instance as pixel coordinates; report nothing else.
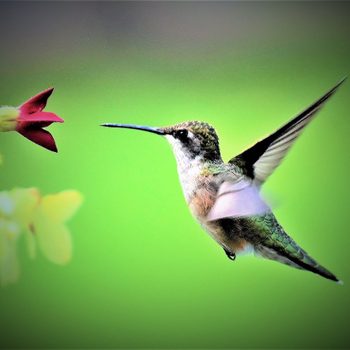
(260, 160)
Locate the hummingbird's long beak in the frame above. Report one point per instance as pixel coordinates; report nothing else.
(137, 127)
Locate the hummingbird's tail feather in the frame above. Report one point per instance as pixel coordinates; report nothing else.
(296, 257)
(275, 244)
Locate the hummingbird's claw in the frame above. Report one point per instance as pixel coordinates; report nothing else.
(230, 255)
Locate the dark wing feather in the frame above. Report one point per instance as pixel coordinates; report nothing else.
(260, 160)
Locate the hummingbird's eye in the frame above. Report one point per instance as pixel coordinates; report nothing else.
(182, 135)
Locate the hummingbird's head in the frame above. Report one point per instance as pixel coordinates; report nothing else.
(189, 140)
(193, 139)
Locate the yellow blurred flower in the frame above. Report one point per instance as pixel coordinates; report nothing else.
(9, 234)
(49, 228)
(42, 220)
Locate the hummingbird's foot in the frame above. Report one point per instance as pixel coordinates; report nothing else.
(230, 255)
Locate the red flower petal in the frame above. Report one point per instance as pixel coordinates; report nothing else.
(36, 103)
(39, 117)
(40, 137)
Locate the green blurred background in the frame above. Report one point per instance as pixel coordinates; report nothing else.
(143, 273)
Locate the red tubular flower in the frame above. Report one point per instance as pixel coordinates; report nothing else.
(31, 120)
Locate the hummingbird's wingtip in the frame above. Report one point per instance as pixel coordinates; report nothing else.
(340, 282)
(343, 79)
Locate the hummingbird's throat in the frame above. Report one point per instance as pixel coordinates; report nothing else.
(189, 167)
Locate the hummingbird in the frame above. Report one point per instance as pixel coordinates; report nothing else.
(225, 197)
